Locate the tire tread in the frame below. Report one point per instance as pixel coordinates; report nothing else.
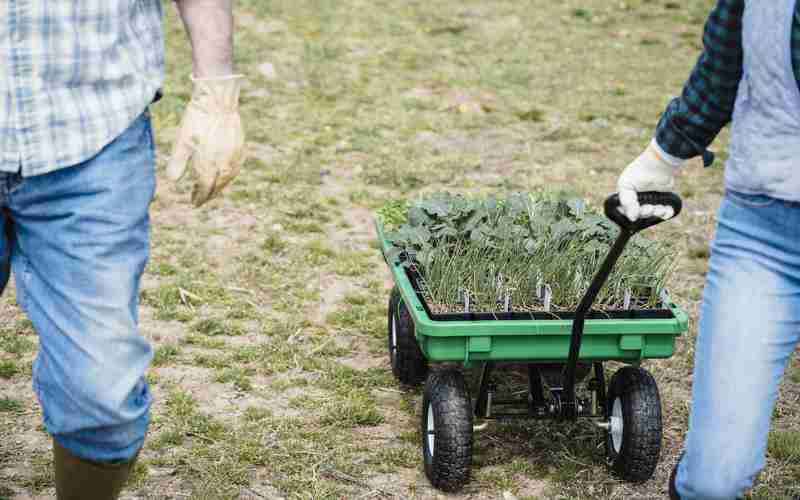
(446, 391)
(409, 365)
(641, 413)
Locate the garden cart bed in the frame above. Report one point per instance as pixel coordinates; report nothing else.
(620, 335)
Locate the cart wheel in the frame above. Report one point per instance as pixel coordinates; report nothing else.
(409, 365)
(446, 430)
(633, 441)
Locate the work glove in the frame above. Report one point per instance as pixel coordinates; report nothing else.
(653, 170)
(211, 137)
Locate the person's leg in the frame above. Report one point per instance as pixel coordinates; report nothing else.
(749, 327)
(81, 242)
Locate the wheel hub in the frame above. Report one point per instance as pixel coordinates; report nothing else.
(431, 430)
(616, 425)
(393, 346)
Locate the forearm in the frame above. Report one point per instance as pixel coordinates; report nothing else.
(209, 24)
(692, 121)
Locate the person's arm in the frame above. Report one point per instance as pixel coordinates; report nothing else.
(209, 24)
(691, 121)
(211, 134)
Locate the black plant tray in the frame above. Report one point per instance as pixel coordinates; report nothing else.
(415, 280)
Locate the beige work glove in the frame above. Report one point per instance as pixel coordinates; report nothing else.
(653, 170)
(211, 137)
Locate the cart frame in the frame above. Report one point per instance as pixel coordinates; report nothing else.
(629, 407)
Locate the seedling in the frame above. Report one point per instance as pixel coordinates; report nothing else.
(452, 243)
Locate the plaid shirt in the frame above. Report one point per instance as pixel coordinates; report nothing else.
(74, 74)
(692, 121)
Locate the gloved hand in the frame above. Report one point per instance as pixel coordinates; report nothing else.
(211, 136)
(653, 170)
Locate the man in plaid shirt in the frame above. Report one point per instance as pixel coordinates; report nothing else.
(748, 75)
(77, 175)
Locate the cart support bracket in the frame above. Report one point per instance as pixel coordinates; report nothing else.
(480, 344)
(476, 345)
(632, 343)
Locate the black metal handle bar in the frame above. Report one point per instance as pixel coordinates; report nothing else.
(627, 230)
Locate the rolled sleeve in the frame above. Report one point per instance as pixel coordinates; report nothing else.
(692, 121)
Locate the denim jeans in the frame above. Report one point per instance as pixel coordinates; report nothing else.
(749, 327)
(79, 244)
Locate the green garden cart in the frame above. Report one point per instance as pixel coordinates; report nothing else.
(559, 353)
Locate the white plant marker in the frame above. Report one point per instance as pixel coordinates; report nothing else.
(507, 304)
(627, 301)
(665, 300)
(548, 295)
(539, 290)
(499, 286)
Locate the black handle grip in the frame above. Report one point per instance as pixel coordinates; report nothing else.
(645, 198)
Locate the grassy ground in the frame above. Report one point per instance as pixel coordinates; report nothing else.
(267, 309)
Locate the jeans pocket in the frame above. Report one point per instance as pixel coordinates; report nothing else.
(749, 200)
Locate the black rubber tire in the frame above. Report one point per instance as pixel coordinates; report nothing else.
(448, 467)
(409, 365)
(637, 458)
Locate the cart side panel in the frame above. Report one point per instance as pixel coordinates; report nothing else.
(546, 348)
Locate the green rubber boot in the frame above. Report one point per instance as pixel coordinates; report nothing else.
(78, 479)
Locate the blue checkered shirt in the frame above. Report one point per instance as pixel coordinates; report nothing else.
(692, 121)
(74, 74)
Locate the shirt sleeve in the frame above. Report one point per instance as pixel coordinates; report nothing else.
(692, 121)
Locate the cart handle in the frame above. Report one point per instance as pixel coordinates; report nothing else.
(628, 229)
(645, 198)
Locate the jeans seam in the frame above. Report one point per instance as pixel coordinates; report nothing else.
(24, 283)
(739, 199)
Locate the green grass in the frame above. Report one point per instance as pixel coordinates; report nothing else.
(8, 369)
(352, 410)
(794, 373)
(238, 376)
(165, 354)
(215, 326)
(785, 446)
(367, 317)
(10, 405)
(204, 341)
(15, 343)
(273, 244)
(354, 264)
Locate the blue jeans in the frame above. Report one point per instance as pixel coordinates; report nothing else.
(749, 327)
(79, 244)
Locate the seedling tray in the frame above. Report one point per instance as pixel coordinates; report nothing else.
(620, 335)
